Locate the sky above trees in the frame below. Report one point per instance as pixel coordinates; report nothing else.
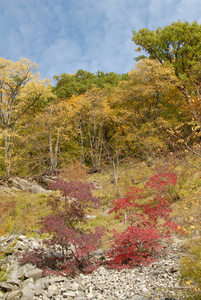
(66, 35)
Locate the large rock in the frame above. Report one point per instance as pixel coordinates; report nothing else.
(38, 184)
(14, 295)
(45, 180)
(28, 185)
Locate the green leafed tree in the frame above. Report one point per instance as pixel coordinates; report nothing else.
(179, 45)
(68, 85)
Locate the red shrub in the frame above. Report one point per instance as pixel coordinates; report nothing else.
(68, 249)
(134, 246)
(149, 222)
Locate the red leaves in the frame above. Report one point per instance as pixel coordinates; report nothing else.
(128, 203)
(68, 249)
(134, 246)
(76, 198)
(78, 190)
(150, 222)
(161, 181)
(67, 252)
(157, 208)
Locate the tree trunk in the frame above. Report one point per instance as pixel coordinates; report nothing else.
(53, 156)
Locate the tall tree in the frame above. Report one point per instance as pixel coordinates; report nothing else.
(20, 91)
(179, 45)
(50, 139)
(142, 103)
(91, 114)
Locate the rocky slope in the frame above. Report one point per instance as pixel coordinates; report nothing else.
(160, 280)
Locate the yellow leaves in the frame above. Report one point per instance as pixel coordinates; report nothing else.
(92, 105)
(153, 76)
(16, 71)
(21, 91)
(180, 141)
(188, 282)
(180, 228)
(191, 264)
(21, 88)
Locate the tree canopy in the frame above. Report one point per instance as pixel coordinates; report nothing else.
(178, 44)
(103, 118)
(68, 85)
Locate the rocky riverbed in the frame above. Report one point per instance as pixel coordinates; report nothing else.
(159, 280)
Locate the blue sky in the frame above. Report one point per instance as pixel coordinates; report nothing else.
(63, 36)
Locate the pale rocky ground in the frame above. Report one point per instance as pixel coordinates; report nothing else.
(160, 280)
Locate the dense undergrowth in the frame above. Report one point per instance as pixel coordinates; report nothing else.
(22, 213)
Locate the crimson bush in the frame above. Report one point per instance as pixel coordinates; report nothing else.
(149, 222)
(68, 249)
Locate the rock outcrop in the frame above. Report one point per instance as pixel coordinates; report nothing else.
(160, 280)
(32, 185)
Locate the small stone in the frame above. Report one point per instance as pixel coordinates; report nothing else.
(19, 271)
(2, 296)
(45, 281)
(6, 287)
(52, 290)
(74, 287)
(13, 295)
(89, 296)
(45, 297)
(27, 294)
(35, 274)
(173, 270)
(59, 279)
(139, 297)
(14, 281)
(19, 245)
(38, 292)
(27, 282)
(69, 294)
(144, 290)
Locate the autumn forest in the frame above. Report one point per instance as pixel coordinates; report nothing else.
(101, 118)
(104, 120)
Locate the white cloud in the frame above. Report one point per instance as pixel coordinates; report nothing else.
(65, 35)
(163, 13)
(63, 55)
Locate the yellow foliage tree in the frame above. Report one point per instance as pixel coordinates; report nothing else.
(91, 114)
(142, 102)
(20, 91)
